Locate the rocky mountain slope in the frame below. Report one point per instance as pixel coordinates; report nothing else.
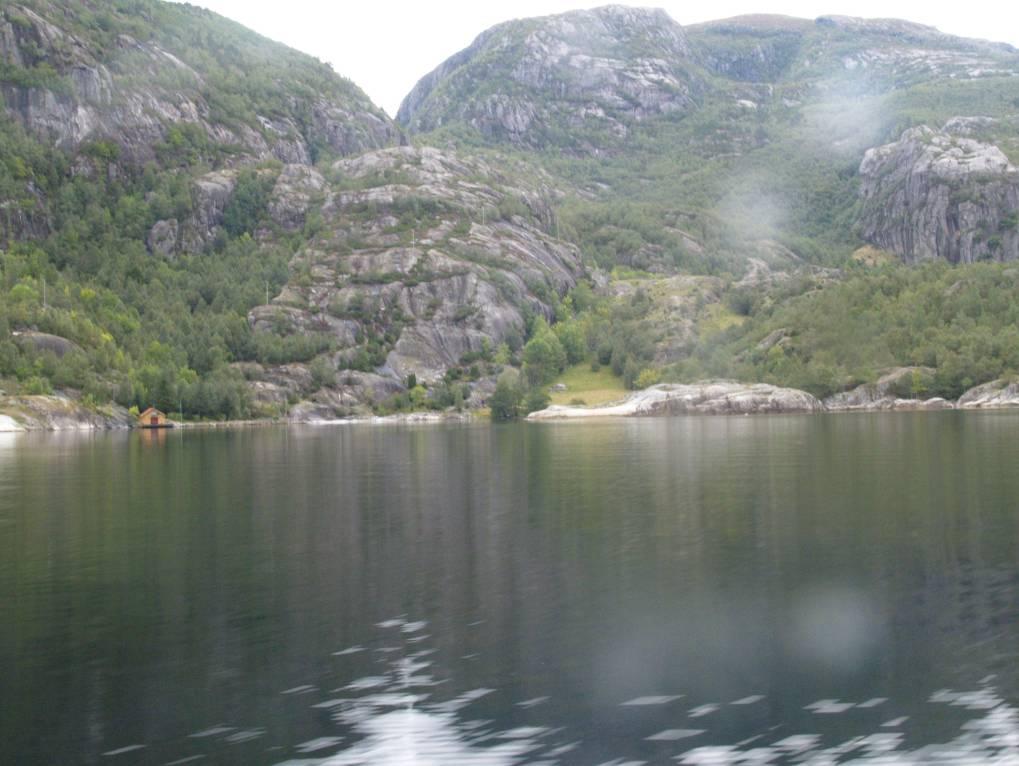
(547, 81)
(941, 194)
(195, 217)
(596, 74)
(754, 127)
(84, 72)
(140, 143)
(891, 52)
(425, 261)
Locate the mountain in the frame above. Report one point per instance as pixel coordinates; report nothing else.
(423, 263)
(142, 142)
(550, 80)
(750, 129)
(128, 71)
(197, 218)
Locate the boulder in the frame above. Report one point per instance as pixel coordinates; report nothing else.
(890, 391)
(937, 195)
(996, 394)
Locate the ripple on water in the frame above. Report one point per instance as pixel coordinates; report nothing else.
(388, 719)
(652, 700)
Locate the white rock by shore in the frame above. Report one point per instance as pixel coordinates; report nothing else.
(726, 397)
(58, 413)
(8, 424)
(723, 397)
(996, 394)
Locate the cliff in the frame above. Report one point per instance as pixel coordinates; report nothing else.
(533, 82)
(941, 194)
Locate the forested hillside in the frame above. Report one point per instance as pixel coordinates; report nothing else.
(140, 144)
(791, 163)
(197, 218)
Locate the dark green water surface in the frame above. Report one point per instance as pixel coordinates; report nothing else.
(821, 589)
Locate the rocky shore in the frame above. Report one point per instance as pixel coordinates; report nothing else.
(59, 413)
(727, 397)
(711, 398)
(719, 397)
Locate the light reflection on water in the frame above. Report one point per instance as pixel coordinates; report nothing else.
(399, 719)
(774, 590)
(396, 721)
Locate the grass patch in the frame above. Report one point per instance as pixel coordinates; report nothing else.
(595, 388)
(873, 257)
(717, 318)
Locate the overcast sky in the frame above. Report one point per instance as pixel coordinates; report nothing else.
(386, 46)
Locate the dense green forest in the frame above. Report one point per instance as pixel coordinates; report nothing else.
(147, 330)
(962, 322)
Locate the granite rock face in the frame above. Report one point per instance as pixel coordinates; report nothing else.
(996, 394)
(58, 413)
(768, 45)
(897, 389)
(524, 81)
(297, 189)
(423, 257)
(722, 397)
(938, 194)
(41, 341)
(132, 91)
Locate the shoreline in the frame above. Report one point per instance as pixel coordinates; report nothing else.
(416, 419)
(62, 413)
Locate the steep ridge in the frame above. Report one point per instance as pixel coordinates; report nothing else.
(543, 81)
(74, 72)
(140, 144)
(941, 194)
(193, 216)
(425, 261)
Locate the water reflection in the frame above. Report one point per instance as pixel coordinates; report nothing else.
(397, 719)
(628, 591)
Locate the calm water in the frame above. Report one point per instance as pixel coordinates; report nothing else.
(760, 590)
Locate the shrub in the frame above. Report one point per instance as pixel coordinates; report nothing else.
(505, 401)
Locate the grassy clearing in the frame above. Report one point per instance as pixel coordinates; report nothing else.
(594, 388)
(718, 317)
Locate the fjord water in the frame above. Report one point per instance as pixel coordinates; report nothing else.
(725, 590)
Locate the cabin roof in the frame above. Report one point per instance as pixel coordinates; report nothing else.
(151, 411)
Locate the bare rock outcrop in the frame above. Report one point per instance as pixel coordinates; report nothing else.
(898, 389)
(131, 91)
(297, 189)
(58, 413)
(995, 394)
(603, 69)
(424, 257)
(937, 194)
(722, 397)
(41, 341)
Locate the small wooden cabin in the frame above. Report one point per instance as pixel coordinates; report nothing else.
(153, 418)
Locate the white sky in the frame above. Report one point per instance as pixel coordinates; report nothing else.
(386, 46)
